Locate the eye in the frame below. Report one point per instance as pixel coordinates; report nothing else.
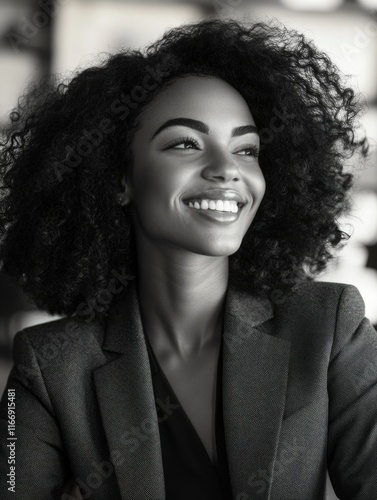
(249, 151)
(184, 141)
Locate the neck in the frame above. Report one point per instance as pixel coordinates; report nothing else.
(181, 299)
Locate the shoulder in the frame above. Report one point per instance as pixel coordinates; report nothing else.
(322, 317)
(318, 293)
(321, 301)
(61, 343)
(306, 290)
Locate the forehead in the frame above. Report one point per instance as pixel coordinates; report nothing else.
(200, 97)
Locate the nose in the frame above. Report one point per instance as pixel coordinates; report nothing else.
(221, 166)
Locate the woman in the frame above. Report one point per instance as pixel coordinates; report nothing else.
(175, 205)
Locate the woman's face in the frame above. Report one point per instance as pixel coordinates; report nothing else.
(197, 141)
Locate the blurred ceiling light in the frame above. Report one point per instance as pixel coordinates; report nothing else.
(368, 4)
(314, 5)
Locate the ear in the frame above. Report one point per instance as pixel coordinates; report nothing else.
(124, 194)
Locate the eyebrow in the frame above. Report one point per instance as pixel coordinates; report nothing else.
(203, 128)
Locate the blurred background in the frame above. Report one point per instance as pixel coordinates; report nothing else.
(41, 37)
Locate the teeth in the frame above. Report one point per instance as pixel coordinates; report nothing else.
(218, 205)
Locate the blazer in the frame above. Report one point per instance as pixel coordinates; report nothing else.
(299, 397)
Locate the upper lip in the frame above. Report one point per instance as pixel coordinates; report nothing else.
(218, 194)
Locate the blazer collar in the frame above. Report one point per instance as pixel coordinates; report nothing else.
(255, 373)
(124, 314)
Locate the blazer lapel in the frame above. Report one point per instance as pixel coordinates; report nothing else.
(255, 370)
(125, 395)
(255, 373)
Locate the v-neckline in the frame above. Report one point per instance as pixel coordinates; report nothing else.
(158, 368)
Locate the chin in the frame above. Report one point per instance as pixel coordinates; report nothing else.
(219, 249)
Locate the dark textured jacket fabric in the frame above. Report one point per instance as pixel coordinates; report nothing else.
(299, 396)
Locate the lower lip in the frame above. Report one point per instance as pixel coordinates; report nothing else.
(214, 215)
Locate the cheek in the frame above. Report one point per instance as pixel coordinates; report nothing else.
(257, 188)
(257, 185)
(158, 182)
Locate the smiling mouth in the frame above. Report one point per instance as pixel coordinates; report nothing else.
(213, 214)
(219, 206)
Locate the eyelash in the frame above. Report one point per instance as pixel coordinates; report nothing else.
(191, 140)
(183, 140)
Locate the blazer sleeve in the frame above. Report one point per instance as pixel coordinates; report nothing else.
(352, 392)
(41, 465)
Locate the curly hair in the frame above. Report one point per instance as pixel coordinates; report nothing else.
(63, 233)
